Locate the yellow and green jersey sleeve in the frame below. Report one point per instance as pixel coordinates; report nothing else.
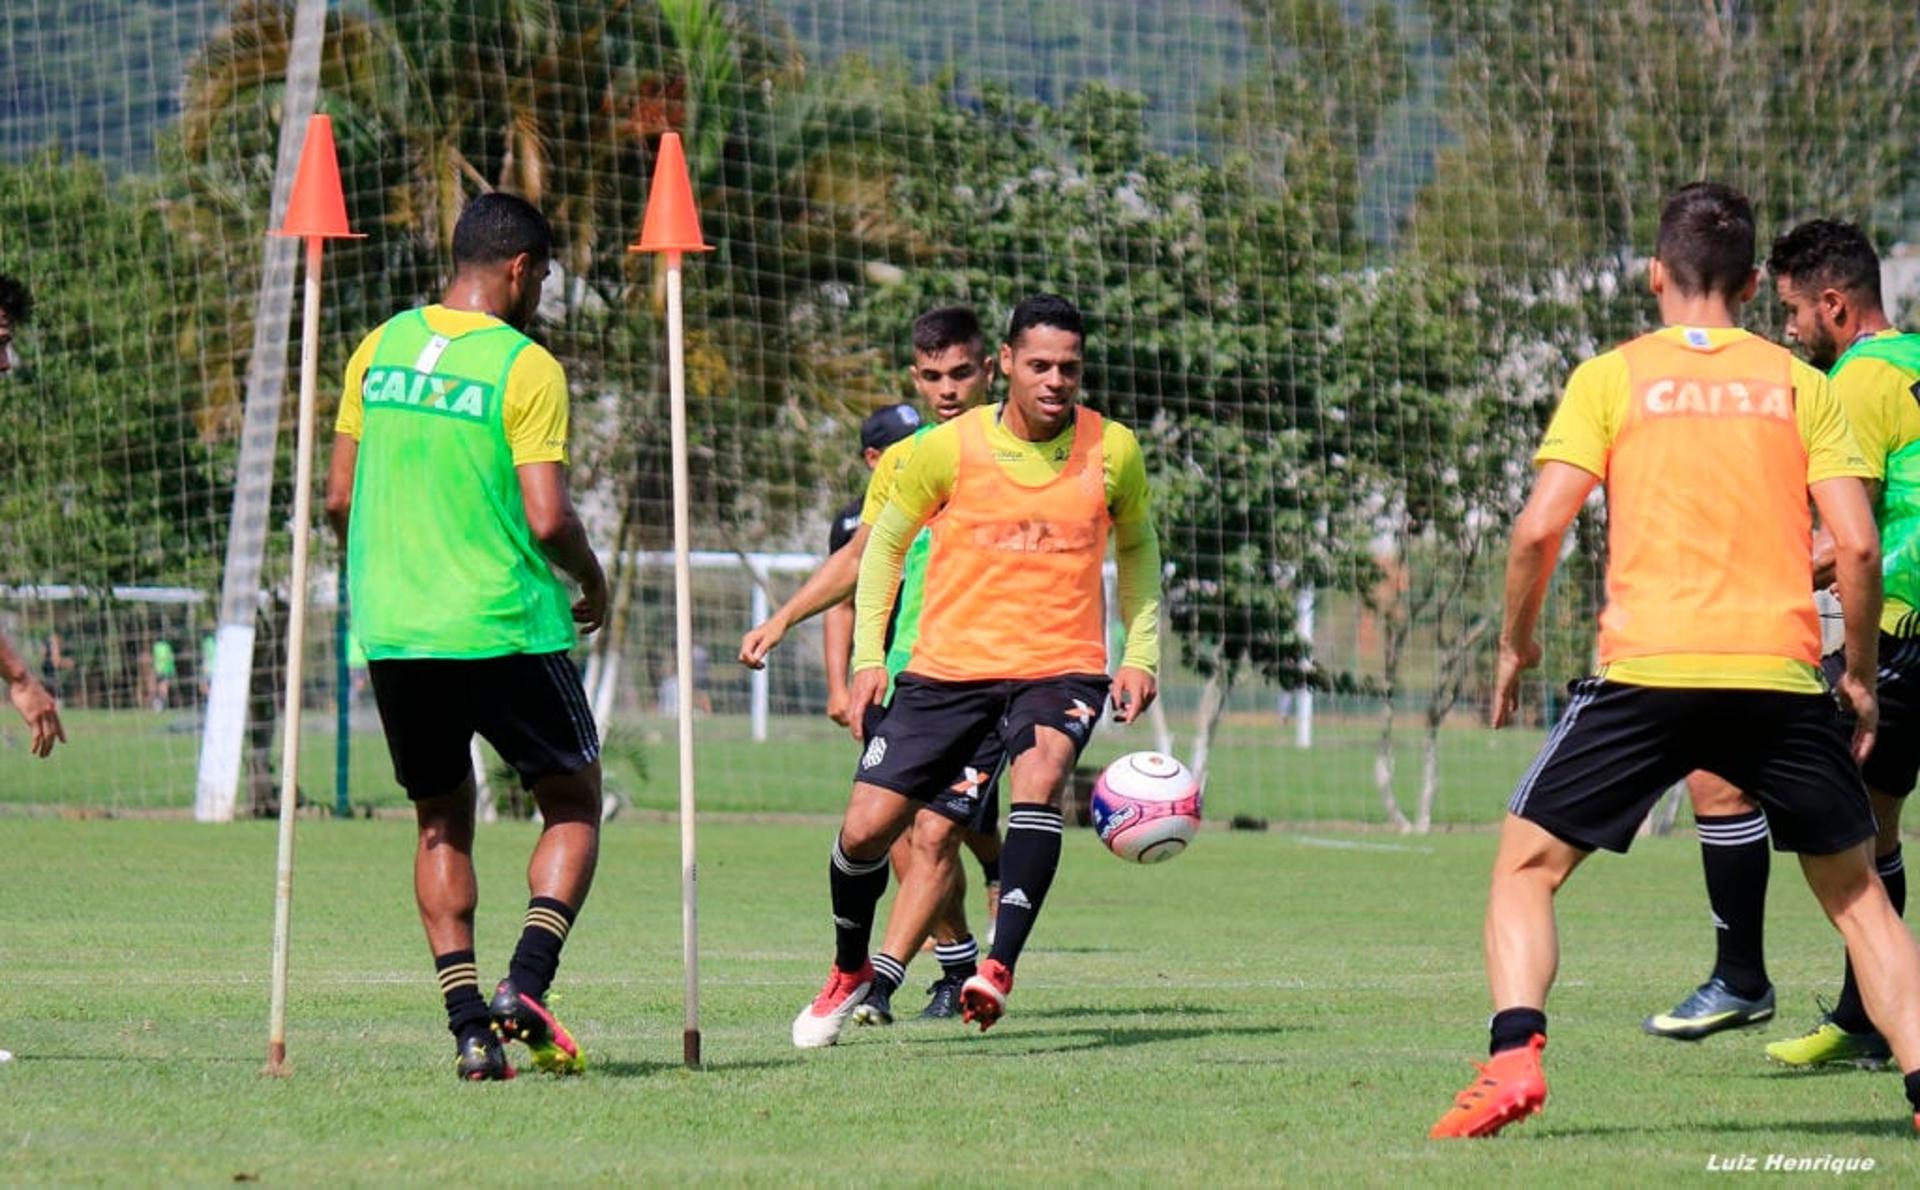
(351, 416)
(535, 408)
(886, 470)
(1878, 399)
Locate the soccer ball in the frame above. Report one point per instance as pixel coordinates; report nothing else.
(1146, 807)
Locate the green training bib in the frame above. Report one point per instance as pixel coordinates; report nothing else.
(440, 559)
(1899, 511)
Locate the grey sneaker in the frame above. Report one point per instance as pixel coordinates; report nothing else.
(876, 1009)
(944, 1002)
(1713, 1007)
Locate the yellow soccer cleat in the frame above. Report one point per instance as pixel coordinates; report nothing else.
(1827, 1044)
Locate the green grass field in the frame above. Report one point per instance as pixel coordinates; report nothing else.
(1271, 1008)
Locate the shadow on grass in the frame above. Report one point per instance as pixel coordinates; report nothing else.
(631, 1069)
(1891, 1125)
(1110, 1011)
(1090, 1039)
(170, 1058)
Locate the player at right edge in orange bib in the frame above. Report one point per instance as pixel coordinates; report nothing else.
(1020, 500)
(1710, 442)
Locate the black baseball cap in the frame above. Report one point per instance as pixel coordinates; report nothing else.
(887, 426)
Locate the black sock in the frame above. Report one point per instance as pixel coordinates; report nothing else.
(1029, 859)
(460, 988)
(888, 974)
(990, 870)
(1851, 1012)
(1514, 1027)
(1913, 1089)
(958, 960)
(1734, 852)
(537, 956)
(856, 887)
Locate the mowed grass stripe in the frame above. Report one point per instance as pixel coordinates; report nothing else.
(1256, 1012)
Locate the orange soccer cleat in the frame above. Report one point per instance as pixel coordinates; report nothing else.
(1511, 1086)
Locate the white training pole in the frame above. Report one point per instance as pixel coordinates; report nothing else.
(683, 662)
(757, 680)
(1303, 697)
(223, 739)
(296, 649)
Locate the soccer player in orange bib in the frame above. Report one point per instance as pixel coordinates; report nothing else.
(1709, 441)
(1020, 499)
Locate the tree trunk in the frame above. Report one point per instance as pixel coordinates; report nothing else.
(1454, 656)
(1429, 777)
(1398, 621)
(1213, 701)
(263, 710)
(1383, 772)
(1162, 732)
(603, 664)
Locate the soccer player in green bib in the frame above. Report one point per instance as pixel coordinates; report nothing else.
(449, 483)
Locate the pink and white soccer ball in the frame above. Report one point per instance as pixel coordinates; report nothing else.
(1146, 807)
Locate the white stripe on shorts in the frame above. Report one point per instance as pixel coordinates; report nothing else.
(567, 683)
(1524, 789)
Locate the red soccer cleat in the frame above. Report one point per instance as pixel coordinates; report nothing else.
(1511, 1087)
(820, 1022)
(983, 998)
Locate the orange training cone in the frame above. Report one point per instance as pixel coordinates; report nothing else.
(672, 223)
(317, 207)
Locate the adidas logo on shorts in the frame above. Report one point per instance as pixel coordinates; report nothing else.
(876, 752)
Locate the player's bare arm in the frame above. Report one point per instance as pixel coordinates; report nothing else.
(1823, 542)
(832, 583)
(556, 526)
(1848, 516)
(838, 629)
(1557, 495)
(1133, 692)
(37, 708)
(346, 455)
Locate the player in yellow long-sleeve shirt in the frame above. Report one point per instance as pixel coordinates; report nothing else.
(1021, 499)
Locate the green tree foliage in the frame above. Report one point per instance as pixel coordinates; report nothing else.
(1207, 332)
(105, 476)
(1573, 120)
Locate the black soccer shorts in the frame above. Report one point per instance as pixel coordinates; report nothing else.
(530, 706)
(1894, 762)
(934, 737)
(1618, 747)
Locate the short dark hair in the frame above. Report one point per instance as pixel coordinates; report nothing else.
(1706, 239)
(949, 326)
(1828, 254)
(1046, 309)
(497, 227)
(16, 299)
